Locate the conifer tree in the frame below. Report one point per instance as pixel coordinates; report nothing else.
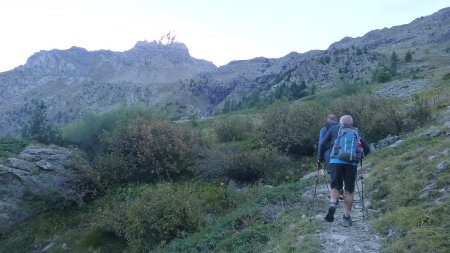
(37, 127)
(408, 56)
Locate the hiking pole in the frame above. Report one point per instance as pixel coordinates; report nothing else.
(315, 191)
(327, 182)
(361, 196)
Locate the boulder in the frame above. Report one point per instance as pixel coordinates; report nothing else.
(432, 131)
(44, 173)
(388, 141)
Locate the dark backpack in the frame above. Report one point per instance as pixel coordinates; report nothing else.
(347, 145)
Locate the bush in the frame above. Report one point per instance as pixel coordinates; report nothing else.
(112, 168)
(232, 129)
(143, 150)
(150, 216)
(86, 132)
(162, 214)
(215, 160)
(446, 76)
(251, 165)
(239, 163)
(419, 110)
(382, 75)
(378, 117)
(10, 147)
(293, 129)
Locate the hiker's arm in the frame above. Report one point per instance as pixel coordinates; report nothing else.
(321, 134)
(322, 145)
(365, 145)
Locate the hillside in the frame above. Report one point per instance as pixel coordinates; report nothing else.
(74, 82)
(178, 155)
(405, 190)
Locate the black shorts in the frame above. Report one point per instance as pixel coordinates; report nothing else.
(343, 174)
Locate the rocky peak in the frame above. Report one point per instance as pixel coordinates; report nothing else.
(153, 52)
(430, 29)
(154, 45)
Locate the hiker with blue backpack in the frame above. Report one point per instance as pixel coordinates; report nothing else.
(331, 121)
(348, 149)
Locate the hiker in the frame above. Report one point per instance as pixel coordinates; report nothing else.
(344, 160)
(331, 121)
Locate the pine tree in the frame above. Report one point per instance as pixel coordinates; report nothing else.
(408, 56)
(394, 61)
(37, 127)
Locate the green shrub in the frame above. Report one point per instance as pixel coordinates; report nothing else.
(382, 75)
(112, 168)
(10, 147)
(420, 110)
(162, 213)
(147, 150)
(232, 129)
(446, 76)
(251, 165)
(293, 129)
(216, 200)
(379, 117)
(86, 132)
(214, 160)
(239, 163)
(256, 225)
(348, 88)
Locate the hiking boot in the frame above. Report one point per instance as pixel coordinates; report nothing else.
(347, 221)
(330, 215)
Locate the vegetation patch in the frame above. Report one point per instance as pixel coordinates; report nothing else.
(10, 147)
(412, 193)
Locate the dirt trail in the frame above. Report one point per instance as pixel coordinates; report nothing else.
(335, 237)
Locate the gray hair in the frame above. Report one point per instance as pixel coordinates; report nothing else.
(346, 120)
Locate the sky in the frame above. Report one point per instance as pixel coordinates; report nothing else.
(218, 31)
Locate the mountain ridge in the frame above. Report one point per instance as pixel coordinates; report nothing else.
(76, 81)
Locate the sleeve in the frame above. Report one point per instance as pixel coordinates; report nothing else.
(365, 145)
(321, 135)
(322, 145)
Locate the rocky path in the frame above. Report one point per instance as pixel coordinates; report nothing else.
(335, 237)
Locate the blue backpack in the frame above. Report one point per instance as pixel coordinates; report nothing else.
(347, 145)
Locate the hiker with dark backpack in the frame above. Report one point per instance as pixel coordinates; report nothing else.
(348, 148)
(331, 121)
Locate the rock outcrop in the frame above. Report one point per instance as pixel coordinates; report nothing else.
(43, 174)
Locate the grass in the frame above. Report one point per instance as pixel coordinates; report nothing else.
(10, 147)
(404, 185)
(412, 195)
(266, 218)
(270, 223)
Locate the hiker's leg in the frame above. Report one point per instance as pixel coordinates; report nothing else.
(348, 202)
(349, 181)
(336, 185)
(334, 194)
(336, 181)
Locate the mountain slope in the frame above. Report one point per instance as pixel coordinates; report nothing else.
(75, 81)
(164, 76)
